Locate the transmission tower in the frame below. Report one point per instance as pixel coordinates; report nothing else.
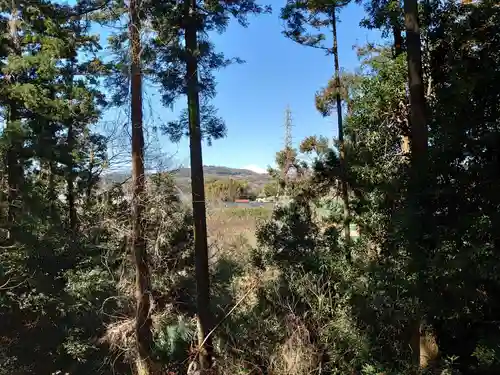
(289, 155)
(288, 128)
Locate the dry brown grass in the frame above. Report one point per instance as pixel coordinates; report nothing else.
(252, 282)
(429, 350)
(120, 335)
(231, 233)
(232, 229)
(297, 355)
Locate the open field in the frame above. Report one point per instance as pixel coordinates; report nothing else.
(233, 228)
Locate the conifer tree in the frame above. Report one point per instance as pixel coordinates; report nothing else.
(48, 99)
(143, 321)
(126, 75)
(184, 64)
(418, 175)
(14, 135)
(298, 16)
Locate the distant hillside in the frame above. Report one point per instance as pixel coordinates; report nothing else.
(182, 176)
(221, 172)
(255, 180)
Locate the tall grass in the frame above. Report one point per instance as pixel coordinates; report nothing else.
(233, 228)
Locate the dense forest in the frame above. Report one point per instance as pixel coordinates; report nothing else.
(129, 279)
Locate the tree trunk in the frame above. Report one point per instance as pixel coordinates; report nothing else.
(205, 323)
(70, 181)
(398, 40)
(398, 50)
(418, 123)
(70, 176)
(13, 163)
(13, 168)
(48, 166)
(143, 322)
(90, 177)
(343, 182)
(418, 128)
(350, 105)
(51, 186)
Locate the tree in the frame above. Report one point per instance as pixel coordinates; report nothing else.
(143, 321)
(298, 16)
(126, 74)
(48, 99)
(227, 190)
(185, 61)
(198, 189)
(270, 189)
(289, 172)
(13, 123)
(388, 16)
(343, 186)
(418, 174)
(464, 80)
(326, 98)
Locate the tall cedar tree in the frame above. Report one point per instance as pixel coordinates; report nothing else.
(14, 148)
(344, 190)
(418, 173)
(198, 190)
(70, 142)
(299, 15)
(36, 81)
(32, 87)
(125, 75)
(143, 322)
(184, 65)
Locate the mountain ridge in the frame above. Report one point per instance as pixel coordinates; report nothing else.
(211, 172)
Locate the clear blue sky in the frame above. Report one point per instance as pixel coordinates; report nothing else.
(252, 97)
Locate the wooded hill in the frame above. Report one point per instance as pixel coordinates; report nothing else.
(182, 176)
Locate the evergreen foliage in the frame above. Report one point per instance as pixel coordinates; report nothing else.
(297, 300)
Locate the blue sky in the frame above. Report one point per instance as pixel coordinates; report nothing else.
(252, 97)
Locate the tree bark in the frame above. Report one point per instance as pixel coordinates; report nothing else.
(13, 169)
(418, 172)
(70, 176)
(13, 163)
(417, 93)
(51, 187)
(398, 50)
(90, 177)
(343, 182)
(398, 40)
(70, 181)
(143, 322)
(205, 322)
